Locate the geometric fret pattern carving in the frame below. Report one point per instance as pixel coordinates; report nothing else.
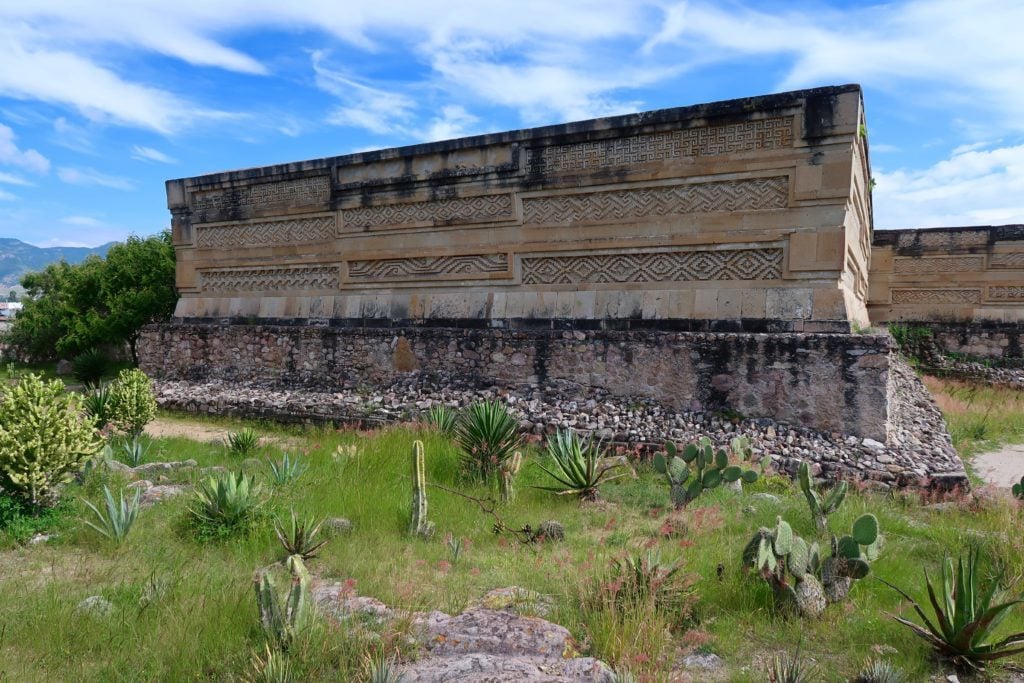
(270, 279)
(427, 267)
(948, 239)
(302, 191)
(1007, 261)
(748, 136)
(732, 195)
(1009, 293)
(666, 266)
(266, 233)
(936, 296)
(953, 264)
(487, 208)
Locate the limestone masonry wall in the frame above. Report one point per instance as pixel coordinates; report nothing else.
(748, 210)
(834, 383)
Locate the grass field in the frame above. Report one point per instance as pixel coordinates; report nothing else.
(184, 608)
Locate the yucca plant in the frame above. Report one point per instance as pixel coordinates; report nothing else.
(243, 442)
(379, 669)
(118, 518)
(134, 451)
(97, 405)
(272, 667)
(226, 501)
(299, 537)
(644, 577)
(287, 470)
(966, 615)
(89, 367)
(577, 465)
(443, 419)
(488, 435)
(879, 671)
(785, 668)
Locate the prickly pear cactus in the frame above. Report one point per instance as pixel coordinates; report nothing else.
(697, 468)
(418, 524)
(820, 507)
(778, 553)
(851, 555)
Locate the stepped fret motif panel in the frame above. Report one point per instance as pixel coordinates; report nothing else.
(267, 233)
(1006, 293)
(300, 191)
(961, 238)
(1009, 261)
(483, 209)
(427, 267)
(733, 195)
(275, 279)
(772, 133)
(667, 266)
(925, 266)
(936, 296)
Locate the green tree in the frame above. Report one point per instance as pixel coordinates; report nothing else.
(70, 309)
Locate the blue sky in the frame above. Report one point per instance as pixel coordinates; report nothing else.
(101, 102)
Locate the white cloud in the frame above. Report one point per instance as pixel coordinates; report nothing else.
(150, 154)
(11, 179)
(11, 155)
(973, 186)
(83, 221)
(92, 177)
(363, 106)
(7, 196)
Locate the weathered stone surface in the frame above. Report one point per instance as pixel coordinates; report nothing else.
(95, 605)
(160, 492)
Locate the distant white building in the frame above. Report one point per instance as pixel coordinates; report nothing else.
(9, 309)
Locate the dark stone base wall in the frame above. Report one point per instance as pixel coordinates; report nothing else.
(834, 383)
(984, 340)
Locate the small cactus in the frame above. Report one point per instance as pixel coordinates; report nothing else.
(773, 553)
(418, 524)
(282, 626)
(508, 471)
(696, 468)
(851, 557)
(1018, 489)
(821, 508)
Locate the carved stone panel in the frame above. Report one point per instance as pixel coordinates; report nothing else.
(961, 238)
(271, 279)
(936, 296)
(952, 264)
(1009, 293)
(210, 205)
(483, 209)
(730, 195)
(662, 266)
(428, 267)
(748, 136)
(1007, 261)
(266, 233)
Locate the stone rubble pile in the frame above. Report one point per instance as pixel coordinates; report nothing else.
(918, 452)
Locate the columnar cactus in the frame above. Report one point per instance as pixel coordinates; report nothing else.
(418, 524)
(280, 626)
(1018, 489)
(820, 507)
(698, 467)
(508, 471)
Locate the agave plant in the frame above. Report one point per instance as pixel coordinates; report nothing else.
(879, 671)
(226, 501)
(98, 406)
(134, 451)
(287, 470)
(118, 518)
(785, 668)
(577, 465)
(488, 435)
(272, 667)
(299, 537)
(89, 367)
(645, 577)
(242, 442)
(443, 419)
(966, 616)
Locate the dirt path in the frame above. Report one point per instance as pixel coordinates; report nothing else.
(1002, 467)
(202, 432)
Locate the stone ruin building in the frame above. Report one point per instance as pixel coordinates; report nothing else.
(713, 257)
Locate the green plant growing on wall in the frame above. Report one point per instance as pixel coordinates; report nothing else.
(132, 404)
(697, 468)
(283, 624)
(821, 505)
(44, 440)
(418, 524)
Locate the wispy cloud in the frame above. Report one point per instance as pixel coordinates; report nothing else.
(92, 177)
(83, 221)
(150, 154)
(11, 179)
(11, 155)
(7, 196)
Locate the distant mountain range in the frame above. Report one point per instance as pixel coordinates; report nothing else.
(18, 258)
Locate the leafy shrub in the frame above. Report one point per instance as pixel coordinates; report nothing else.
(19, 523)
(488, 435)
(44, 440)
(89, 367)
(97, 405)
(243, 442)
(132, 404)
(443, 419)
(577, 465)
(118, 518)
(226, 503)
(299, 538)
(287, 470)
(966, 616)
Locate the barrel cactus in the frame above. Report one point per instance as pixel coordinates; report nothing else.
(696, 468)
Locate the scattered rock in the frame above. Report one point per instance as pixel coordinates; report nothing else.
(766, 498)
(40, 538)
(64, 367)
(155, 494)
(96, 605)
(140, 484)
(516, 599)
(150, 467)
(337, 526)
(706, 661)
